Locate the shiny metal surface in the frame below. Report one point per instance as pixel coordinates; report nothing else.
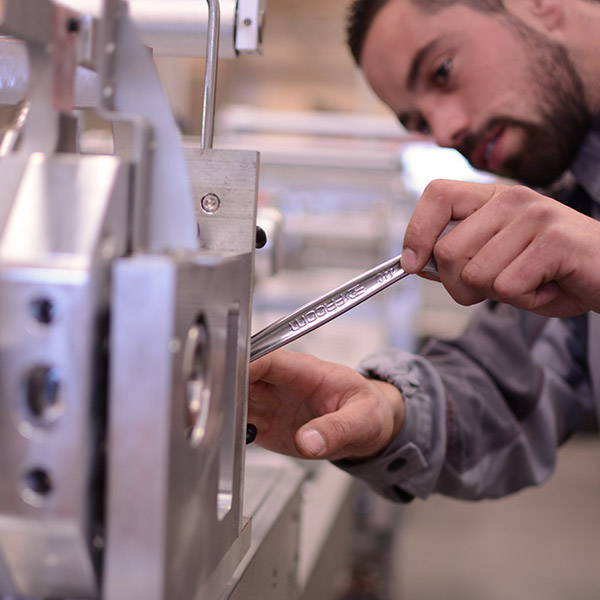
(180, 27)
(64, 214)
(125, 302)
(273, 498)
(163, 209)
(67, 223)
(175, 502)
(61, 230)
(175, 28)
(329, 306)
(232, 176)
(15, 76)
(210, 74)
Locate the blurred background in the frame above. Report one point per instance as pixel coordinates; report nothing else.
(338, 181)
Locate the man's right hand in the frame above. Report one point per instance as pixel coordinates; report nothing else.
(512, 245)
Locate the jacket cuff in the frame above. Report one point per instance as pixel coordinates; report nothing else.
(411, 464)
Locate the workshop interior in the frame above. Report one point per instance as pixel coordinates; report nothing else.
(176, 175)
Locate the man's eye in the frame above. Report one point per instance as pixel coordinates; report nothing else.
(422, 126)
(442, 73)
(415, 123)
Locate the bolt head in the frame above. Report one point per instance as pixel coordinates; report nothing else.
(210, 203)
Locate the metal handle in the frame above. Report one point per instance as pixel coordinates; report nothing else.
(333, 304)
(210, 74)
(328, 307)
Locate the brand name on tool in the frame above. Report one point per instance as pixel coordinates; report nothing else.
(386, 275)
(327, 306)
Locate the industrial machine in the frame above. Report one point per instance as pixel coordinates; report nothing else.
(125, 302)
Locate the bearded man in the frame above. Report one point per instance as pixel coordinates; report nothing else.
(514, 85)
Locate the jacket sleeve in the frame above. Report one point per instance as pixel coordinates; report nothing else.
(485, 412)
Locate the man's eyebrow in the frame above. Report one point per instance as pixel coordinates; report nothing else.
(417, 63)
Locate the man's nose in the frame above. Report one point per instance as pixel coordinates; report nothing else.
(448, 123)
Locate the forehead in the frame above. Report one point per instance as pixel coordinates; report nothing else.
(400, 31)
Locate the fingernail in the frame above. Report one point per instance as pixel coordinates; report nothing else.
(409, 259)
(313, 441)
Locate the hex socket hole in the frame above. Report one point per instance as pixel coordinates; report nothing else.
(197, 384)
(43, 310)
(37, 485)
(43, 400)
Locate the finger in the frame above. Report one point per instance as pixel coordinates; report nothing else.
(488, 241)
(341, 434)
(280, 367)
(441, 202)
(552, 301)
(493, 247)
(331, 435)
(530, 283)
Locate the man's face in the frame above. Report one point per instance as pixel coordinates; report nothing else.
(502, 94)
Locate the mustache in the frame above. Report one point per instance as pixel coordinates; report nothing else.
(472, 140)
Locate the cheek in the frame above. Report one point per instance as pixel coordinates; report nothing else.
(499, 78)
(497, 92)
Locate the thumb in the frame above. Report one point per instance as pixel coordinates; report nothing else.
(311, 442)
(344, 433)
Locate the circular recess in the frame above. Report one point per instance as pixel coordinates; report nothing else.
(196, 376)
(43, 395)
(43, 310)
(36, 486)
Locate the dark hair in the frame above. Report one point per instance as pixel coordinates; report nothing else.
(362, 13)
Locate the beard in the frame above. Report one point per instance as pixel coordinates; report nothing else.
(551, 142)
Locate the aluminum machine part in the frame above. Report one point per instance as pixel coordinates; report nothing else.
(172, 28)
(125, 294)
(180, 27)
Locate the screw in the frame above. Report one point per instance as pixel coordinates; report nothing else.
(210, 203)
(247, 22)
(251, 432)
(261, 237)
(72, 25)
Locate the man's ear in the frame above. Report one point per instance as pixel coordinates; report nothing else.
(543, 15)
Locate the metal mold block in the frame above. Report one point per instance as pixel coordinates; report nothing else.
(174, 498)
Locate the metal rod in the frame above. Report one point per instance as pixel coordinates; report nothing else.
(210, 74)
(334, 303)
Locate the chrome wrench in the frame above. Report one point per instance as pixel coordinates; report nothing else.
(331, 305)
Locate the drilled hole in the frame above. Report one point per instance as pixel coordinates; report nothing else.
(37, 486)
(196, 377)
(43, 310)
(43, 394)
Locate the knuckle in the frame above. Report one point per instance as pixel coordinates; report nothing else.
(539, 213)
(515, 196)
(505, 290)
(508, 290)
(340, 432)
(414, 231)
(436, 190)
(465, 296)
(443, 252)
(475, 277)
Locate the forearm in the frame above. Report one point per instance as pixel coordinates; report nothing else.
(484, 413)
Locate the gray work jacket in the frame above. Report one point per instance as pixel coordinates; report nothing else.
(486, 412)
